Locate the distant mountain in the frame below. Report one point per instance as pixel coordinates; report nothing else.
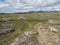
(27, 12)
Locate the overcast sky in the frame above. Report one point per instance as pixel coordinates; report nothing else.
(11, 6)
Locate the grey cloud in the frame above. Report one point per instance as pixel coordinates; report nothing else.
(30, 5)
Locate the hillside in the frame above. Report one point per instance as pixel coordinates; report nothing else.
(30, 29)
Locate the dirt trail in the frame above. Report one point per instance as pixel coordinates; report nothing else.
(42, 35)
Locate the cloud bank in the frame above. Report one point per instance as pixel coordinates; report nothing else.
(11, 6)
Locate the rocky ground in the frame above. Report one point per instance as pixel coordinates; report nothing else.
(30, 29)
(46, 36)
(42, 36)
(30, 38)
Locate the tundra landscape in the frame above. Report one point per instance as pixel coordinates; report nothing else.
(41, 28)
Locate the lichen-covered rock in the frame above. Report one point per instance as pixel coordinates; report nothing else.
(29, 38)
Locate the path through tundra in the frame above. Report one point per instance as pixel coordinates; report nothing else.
(45, 36)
